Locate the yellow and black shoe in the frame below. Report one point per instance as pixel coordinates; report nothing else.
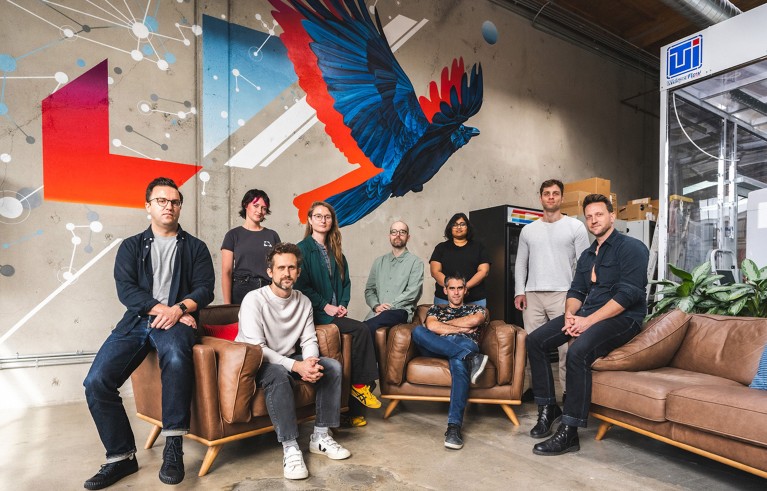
(366, 397)
(353, 421)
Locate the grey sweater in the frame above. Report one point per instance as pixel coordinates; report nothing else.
(547, 254)
(278, 325)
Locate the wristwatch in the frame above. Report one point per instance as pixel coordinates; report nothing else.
(182, 306)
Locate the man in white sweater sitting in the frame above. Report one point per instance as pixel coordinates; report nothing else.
(279, 319)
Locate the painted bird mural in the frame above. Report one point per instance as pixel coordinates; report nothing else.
(369, 107)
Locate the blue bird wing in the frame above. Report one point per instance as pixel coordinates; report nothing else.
(370, 88)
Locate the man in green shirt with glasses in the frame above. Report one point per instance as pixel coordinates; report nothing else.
(395, 282)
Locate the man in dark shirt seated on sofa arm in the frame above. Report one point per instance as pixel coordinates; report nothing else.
(452, 331)
(604, 310)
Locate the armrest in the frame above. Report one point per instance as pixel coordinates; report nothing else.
(400, 349)
(502, 343)
(238, 364)
(206, 413)
(652, 348)
(329, 340)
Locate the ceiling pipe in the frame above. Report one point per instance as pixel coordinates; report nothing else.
(704, 13)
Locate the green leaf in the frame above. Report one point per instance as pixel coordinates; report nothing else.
(750, 269)
(721, 296)
(684, 289)
(737, 306)
(738, 293)
(680, 272)
(664, 305)
(663, 282)
(667, 291)
(707, 304)
(700, 272)
(710, 280)
(687, 304)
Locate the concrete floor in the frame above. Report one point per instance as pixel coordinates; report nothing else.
(57, 448)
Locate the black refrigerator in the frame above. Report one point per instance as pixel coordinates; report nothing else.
(498, 228)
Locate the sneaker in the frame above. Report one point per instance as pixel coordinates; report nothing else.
(172, 470)
(453, 437)
(477, 362)
(112, 472)
(366, 397)
(353, 421)
(327, 446)
(293, 466)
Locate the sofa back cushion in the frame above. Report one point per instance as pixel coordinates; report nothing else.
(219, 315)
(724, 346)
(652, 348)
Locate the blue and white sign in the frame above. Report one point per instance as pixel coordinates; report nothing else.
(684, 57)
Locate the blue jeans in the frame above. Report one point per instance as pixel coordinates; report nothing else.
(482, 302)
(387, 318)
(454, 347)
(117, 358)
(598, 340)
(277, 384)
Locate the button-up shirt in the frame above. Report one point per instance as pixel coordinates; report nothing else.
(395, 280)
(621, 275)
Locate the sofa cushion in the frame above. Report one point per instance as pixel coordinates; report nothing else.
(731, 411)
(219, 314)
(398, 345)
(226, 331)
(760, 380)
(728, 347)
(644, 393)
(238, 364)
(424, 370)
(653, 347)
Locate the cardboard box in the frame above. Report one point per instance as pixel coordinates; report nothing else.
(572, 210)
(640, 201)
(591, 185)
(655, 204)
(573, 197)
(638, 211)
(614, 200)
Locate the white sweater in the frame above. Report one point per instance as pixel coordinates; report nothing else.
(547, 254)
(278, 325)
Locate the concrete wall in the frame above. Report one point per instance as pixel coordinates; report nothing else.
(550, 109)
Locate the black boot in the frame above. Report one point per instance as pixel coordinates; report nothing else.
(172, 470)
(564, 440)
(112, 472)
(548, 416)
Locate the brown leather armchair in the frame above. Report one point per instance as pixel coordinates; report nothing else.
(227, 405)
(405, 375)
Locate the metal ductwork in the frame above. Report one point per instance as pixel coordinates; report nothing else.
(704, 13)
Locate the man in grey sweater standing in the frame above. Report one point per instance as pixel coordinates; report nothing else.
(548, 250)
(279, 319)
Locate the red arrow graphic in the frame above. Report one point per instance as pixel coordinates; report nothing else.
(77, 165)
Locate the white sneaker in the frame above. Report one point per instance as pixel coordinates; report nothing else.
(327, 446)
(293, 466)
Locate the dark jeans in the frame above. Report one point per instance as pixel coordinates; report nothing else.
(117, 358)
(387, 318)
(364, 368)
(242, 285)
(277, 383)
(598, 340)
(454, 347)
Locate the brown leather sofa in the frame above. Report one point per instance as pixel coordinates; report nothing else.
(226, 405)
(684, 381)
(405, 375)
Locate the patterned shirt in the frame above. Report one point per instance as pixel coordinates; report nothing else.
(445, 313)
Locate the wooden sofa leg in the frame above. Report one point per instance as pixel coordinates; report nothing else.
(510, 413)
(210, 456)
(153, 434)
(393, 404)
(603, 430)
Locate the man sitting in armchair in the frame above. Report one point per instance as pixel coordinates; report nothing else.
(452, 331)
(279, 319)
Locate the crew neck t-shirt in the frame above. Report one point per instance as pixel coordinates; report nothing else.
(464, 261)
(250, 249)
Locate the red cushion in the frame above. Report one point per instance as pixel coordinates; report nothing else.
(227, 331)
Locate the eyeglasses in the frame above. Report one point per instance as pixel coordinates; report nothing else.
(161, 202)
(397, 232)
(322, 218)
(460, 225)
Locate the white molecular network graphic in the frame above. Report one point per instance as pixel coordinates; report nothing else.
(68, 273)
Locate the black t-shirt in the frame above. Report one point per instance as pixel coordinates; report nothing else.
(250, 249)
(463, 260)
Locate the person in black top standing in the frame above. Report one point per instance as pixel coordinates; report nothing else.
(244, 250)
(460, 256)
